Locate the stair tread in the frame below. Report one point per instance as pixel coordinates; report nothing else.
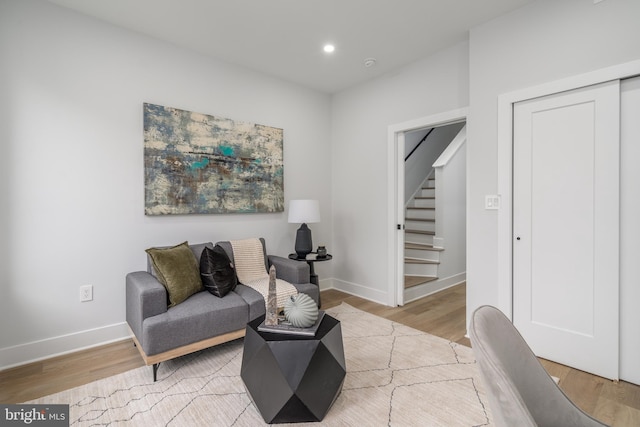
(422, 246)
(428, 233)
(419, 260)
(409, 260)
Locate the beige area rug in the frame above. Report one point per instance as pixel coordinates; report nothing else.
(396, 376)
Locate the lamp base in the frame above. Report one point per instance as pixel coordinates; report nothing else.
(304, 246)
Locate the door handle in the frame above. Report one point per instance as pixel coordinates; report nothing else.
(518, 238)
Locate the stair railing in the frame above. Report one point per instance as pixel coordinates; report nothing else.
(419, 143)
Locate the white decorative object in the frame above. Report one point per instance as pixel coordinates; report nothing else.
(301, 311)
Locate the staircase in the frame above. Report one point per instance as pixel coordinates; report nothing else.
(421, 258)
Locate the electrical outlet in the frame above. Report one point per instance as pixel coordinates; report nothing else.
(86, 293)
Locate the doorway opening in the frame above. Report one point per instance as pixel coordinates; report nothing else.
(416, 228)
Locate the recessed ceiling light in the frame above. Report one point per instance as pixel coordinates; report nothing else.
(329, 48)
(370, 62)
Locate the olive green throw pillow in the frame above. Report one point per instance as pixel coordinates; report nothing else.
(178, 270)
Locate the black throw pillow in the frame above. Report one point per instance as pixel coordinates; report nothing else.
(217, 271)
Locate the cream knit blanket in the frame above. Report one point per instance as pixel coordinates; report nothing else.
(248, 256)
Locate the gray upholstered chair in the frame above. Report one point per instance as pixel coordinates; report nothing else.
(521, 392)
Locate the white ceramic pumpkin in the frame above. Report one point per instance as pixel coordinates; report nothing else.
(301, 311)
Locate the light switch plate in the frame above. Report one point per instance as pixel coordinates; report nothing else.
(492, 202)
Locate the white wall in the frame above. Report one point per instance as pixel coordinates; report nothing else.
(416, 168)
(451, 214)
(71, 168)
(544, 41)
(361, 117)
(419, 165)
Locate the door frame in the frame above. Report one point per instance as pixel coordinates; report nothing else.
(395, 195)
(505, 162)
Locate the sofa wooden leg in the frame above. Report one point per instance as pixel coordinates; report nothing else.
(155, 371)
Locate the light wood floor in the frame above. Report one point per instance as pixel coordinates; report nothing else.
(411, 281)
(442, 314)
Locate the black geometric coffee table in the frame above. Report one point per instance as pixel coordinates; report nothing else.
(293, 378)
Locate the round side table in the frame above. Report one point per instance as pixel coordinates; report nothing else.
(311, 259)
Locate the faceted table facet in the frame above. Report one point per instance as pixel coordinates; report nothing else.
(293, 378)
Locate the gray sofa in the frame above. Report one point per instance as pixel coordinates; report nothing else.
(203, 320)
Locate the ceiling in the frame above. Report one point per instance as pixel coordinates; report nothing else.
(284, 38)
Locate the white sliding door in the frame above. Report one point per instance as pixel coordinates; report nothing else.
(629, 230)
(566, 226)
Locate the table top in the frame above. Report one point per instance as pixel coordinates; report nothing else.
(327, 324)
(312, 257)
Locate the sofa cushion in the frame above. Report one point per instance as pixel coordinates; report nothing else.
(201, 317)
(217, 272)
(253, 299)
(177, 269)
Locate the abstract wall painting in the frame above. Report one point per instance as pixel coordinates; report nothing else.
(200, 164)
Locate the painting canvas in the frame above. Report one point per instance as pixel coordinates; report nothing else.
(201, 164)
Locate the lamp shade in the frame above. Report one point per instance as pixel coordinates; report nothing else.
(304, 211)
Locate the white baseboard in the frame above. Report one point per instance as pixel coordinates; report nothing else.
(417, 292)
(381, 297)
(51, 347)
(355, 289)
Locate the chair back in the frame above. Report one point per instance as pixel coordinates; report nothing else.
(521, 392)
